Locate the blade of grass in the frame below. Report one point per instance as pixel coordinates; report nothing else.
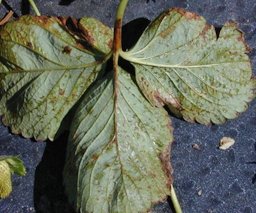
(33, 5)
(175, 201)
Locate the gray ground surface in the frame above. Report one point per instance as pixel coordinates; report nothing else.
(225, 178)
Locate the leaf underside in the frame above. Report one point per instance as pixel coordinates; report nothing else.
(118, 151)
(123, 163)
(180, 62)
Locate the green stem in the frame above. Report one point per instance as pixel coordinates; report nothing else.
(33, 5)
(118, 26)
(121, 8)
(175, 201)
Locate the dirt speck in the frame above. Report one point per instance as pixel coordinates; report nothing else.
(200, 192)
(67, 50)
(196, 146)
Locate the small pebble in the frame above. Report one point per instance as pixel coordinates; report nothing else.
(200, 192)
(226, 143)
(196, 146)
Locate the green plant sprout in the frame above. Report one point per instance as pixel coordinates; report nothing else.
(118, 152)
(8, 166)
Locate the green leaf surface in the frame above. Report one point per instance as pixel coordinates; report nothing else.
(45, 67)
(99, 35)
(8, 166)
(5, 180)
(118, 153)
(180, 62)
(15, 163)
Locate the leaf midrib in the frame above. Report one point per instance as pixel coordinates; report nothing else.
(147, 63)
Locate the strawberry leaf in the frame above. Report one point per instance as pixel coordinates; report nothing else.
(118, 150)
(45, 68)
(180, 62)
(8, 166)
(118, 153)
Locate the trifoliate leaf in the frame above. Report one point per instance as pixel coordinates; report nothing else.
(180, 62)
(45, 67)
(118, 152)
(8, 166)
